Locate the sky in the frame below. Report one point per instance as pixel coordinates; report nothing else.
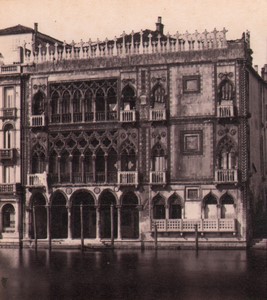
(83, 19)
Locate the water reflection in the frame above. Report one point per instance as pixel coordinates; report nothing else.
(128, 275)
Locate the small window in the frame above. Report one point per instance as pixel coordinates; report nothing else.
(191, 84)
(192, 193)
(9, 97)
(191, 142)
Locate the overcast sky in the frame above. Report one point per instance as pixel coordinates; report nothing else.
(83, 19)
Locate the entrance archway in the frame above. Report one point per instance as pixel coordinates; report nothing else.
(39, 204)
(89, 215)
(59, 217)
(129, 216)
(106, 200)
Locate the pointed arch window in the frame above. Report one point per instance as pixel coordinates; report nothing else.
(38, 103)
(128, 157)
(55, 112)
(227, 158)
(159, 208)
(112, 161)
(64, 167)
(100, 105)
(76, 167)
(210, 207)
(88, 106)
(226, 90)
(53, 166)
(100, 166)
(158, 158)
(227, 207)
(175, 207)
(111, 104)
(88, 166)
(66, 116)
(38, 159)
(128, 98)
(158, 96)
(76, 103)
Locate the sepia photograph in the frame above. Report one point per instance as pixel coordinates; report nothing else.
(133, 150)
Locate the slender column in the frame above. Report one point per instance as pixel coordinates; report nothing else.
(48, 225)
(82, 167)
(70, 169)
(69, 222)
(71, 107)
(94, 167)
(119, 221)
(106, 107)
(106, 167)
(112, 224)
(82, 109)
(98, 223)
(34, 227)
(17, 219)
(167, 214)
(140, 208)
(218, 211)
(58, 168)
(1, 223)
(81, 217)
(94, 107)
(27, 222)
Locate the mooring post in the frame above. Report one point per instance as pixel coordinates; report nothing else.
(196, 236)
(82, 238)
(156, 236)
(34, 228)
(112, 224)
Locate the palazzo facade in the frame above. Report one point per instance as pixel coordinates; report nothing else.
(141, 133)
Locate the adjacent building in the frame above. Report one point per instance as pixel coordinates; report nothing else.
(146, 132)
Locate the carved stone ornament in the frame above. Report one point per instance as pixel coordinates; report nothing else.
(68, 191)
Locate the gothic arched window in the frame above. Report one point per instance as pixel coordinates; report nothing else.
(226, 153)
(227, 207)
(210, 207)
(38, 159)
(158, 158)
(8, 214)
(128, 98)
(38, 103)
(8, 136)
(226, 90)
(128, 156)
(158, 207)
(158, 96)
(175, 207)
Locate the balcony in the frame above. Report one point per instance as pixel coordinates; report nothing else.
(187, 225)
(9, 69)
(7, 188)
(8, 113)
(226, 176)
(128, 178)
(225, 110)
(157, 177)
(37, 180)
(157, 115)
(128, 116)
(7, 154)
(37, 121)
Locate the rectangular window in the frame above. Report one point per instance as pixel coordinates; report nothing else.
(9, 97)
(192, 193)
(191, 142)
(191, 84)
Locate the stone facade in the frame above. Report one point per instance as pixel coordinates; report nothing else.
(145, 133)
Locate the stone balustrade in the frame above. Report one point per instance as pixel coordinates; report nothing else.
(132, 44)
(188, 225)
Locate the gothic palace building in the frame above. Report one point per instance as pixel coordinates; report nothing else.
(148, 130)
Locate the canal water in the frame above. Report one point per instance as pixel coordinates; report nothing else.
(130, 274)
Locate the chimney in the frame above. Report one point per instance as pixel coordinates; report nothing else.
(35, 27)
(264, 73)
(159, 26)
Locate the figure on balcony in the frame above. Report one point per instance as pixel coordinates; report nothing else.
(158, 164)
(226, 88)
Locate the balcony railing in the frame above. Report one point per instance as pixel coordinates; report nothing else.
(84, 117)
(128, 116)
(37, 180)
(7, 154)
(225, 175)
(157, 115)
(8, 113)
(37, 121)
(128, 178)
(7, 188)
(225, 110)
(157, 177)
(188, 225)
(10, 69)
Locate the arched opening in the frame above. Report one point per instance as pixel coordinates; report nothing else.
(175, 207)
(226, 90)
(128, 157)
(106, 200)
(64, 167)
(128, 98)
(88, 106)
(158, 158)
(111, 104)
(129, 216)
(8, 215)
(100, 166)
(89, 215)
(158, 97)
(210, 207)
(88, 167)
(227, 207)
(59, 217)
(76, 104)
(38, 103)
(66, 116)
(8, 136)
(39, 205)
(112, 165)
(100, 105)
(53, 167)
(38, 159)
(76, 167)
(159, 207)
(55, 113)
